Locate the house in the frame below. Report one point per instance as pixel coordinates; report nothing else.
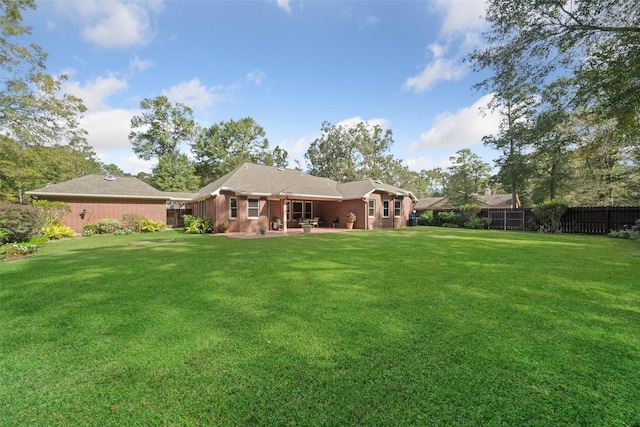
(485, 201)
(246, 199)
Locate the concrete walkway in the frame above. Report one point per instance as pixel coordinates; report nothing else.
(296, 231)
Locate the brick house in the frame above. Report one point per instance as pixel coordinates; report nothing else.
(246, 199)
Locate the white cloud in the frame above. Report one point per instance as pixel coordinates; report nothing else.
(440, 69)
(140, 65)
(461, 16)
(108, 130)
(134, 165)
(284, 4)
(353, 121)
(256, 77)
(193, 94)
(114, 23)
(425, 163)
(461, 129)
(93, 93)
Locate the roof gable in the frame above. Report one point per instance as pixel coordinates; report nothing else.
(100, 186)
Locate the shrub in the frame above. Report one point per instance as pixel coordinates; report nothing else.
(108, 226)
(426, 218)
(470, 211)
(122, 231)
(549, 214)
(447, 219)
(58, 230)
(197, 225)
(476, 223)
(133, 222)
(18, 223)
(151, 226)
(223, 227)
(89, 230)
(17, 249)
(50, 212)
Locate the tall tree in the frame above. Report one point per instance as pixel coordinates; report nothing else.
(32, 111)
(161, 128)
(468, 176)
(226, 145)
(348, 153)
(593, 43)
(175, 172)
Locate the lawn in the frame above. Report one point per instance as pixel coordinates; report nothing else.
(419, 326)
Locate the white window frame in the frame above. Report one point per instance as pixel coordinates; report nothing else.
(386, 209)
(372, 208)
(397, 208)
(253, 208)
(233, 210)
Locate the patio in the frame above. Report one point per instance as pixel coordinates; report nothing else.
(295, 231)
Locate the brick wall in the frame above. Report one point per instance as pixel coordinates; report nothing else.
(101, 208)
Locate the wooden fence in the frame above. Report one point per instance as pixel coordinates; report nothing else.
(582, 220)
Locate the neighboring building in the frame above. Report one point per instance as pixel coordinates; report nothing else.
(246, 199)
(485, 201)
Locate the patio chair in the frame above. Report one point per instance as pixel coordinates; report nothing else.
(315, 221)
(277, 224)
(336, 223)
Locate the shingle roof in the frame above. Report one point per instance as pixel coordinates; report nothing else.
(101, 186)
(431, 203)
(249, 179)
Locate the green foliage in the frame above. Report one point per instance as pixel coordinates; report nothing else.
(50, 212)
(470, 211)
(89, 230)
(133, 222)
(447, 219)
(151, 226)
(108, 225)
(17, 249)
(468, 175)
(549, 214)
(18, 223)
(197, 225)
(57, 230)
(123, 231)
(349, 153)
(175, 172)
(226, 145)
(426, 218)
(476, 223)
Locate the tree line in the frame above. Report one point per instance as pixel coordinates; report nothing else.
(565, 78)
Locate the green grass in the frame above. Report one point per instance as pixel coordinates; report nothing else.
(419, 326)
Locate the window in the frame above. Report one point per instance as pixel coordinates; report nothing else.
(253, 208)
(297, 210)
(397, 210)
(308, 211)
(385, 209)
(233, 208)
(372, 208)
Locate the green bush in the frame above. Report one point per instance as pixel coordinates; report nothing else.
(151, 226)
(89, 230)
(57, 230)
(197, 225)
(549, 214)
(18, 223)
(475, 223)
(426, 218)
(133, 222)
(447, 219)
(122, 231)
(470, 211)
(17, 249)
(108, 226)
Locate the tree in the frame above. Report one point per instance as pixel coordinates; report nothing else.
(436, 181)
(31, 110)
(468, 176)
(349, 153)
(593, 44)
(226, 145)
(175, 172)
(162, 126)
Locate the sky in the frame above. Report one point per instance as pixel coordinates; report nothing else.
(290, 65)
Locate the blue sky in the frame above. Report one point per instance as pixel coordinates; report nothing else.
(290, 65)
